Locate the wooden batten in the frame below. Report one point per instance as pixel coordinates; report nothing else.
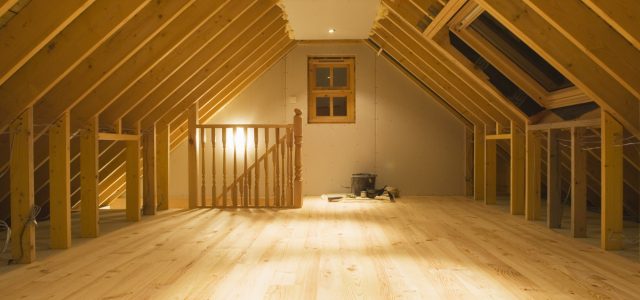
(162, 165)
(59, 183)
(554, 180)
(133, 181)
(468, 170)
(149, 168)
(23, 244)
(611, 235)
(89, 179)
(533, 175)
(478, 162)
(490, 160)
(192, 155)
(517, 172)
(578, 184)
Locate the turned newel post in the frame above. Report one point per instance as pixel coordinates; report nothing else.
(297, 182)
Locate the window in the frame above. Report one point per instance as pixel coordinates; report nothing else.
(331, 90)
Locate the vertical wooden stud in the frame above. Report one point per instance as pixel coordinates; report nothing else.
(149, 178)
(234, 182)
(224, 167)
(89, 179)
(490, 157)
(162, 165)
(256, 167)
(517, 171)
(245, 186)
(192, 155)
(214, 190)
(133, 181)
(59, 183)
(297, 134)
(23, 246)
(611, 236)
(203, 171)
(290, 167)
(283, 170)
(578, 184)
(478, 162)
(532, 199)
(554, 195)
(266, 167)
(468, 171)
(276, 170)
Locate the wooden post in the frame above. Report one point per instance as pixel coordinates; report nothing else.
(611, 236)
(224, 167)
(203, 169)
(89, 179)
(59, 183)
(256, 167)
(133, 181)
(162, 165)
(578, 184)
(245, 185)
(490, 171)
(290, 167)
(234, 182)
(23, 245)
(532, 201)
(214, 190)
(266, 167)
(192, 155)
(478, 162)
(297, 183)
(554, 180)
(468, 176)
(276, 170)
(517, 177)
(283, 170)
(149, 179)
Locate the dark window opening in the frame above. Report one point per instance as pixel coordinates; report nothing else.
(518, 52)
(497, 79)
(574, 111)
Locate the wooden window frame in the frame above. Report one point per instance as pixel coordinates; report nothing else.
(459, 25)
(314, 91)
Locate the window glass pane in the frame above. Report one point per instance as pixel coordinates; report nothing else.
(340, 77)
(322, 106)
(340, 106)
(322, 77)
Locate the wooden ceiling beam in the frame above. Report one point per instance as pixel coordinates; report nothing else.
(421, 59)
(252, 48)
(221, 61)
(427, 53)
(162, 79)
(30, 30)
(79, 39)
(193, 19)
(6, 5)
(568, 59)
(603, 44)
(622, 15)
(94, 69)
(415, 68)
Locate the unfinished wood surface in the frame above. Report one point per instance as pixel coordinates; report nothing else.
(162, 165)
(578, 184)
(23, 248)
(554, 180)
(59, 183)
(611, 191)
(89, 179)
(214, 188)
(533, 177)
(133, 181)
(417, 248)
(192, 154)
(490, 160)
(478, 162)
(149, 169)
(517, 172)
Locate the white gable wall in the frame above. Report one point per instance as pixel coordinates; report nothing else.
(401, 133)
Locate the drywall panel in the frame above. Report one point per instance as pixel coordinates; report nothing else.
(400, 133)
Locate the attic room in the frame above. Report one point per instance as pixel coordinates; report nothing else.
(327, 149)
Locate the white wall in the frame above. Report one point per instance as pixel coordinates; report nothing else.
(401, 133)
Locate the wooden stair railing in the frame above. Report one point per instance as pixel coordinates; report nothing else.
(271, 180)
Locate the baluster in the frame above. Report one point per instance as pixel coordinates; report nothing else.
(224, 167)
(282, 171)
(234, 192)
(256, 167)
(203, 169)
(245, 190)
(289, 166)
(214, 193)
(276, 170)
(297, 131)
(266, 167)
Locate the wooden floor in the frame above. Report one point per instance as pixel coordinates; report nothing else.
(427, 247)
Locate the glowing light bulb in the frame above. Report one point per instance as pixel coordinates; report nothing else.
(332, 30)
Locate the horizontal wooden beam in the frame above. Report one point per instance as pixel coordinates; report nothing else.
(103, 136)
(505, 136)
(565, 124)
(244, 125)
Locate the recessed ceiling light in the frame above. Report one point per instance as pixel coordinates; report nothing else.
(332, 30)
